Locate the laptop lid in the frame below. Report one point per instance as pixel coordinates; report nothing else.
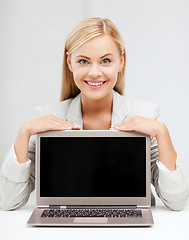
(93, 167)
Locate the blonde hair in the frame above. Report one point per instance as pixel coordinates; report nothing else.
(84, 31)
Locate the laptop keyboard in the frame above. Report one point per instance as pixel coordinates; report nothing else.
(130, 213)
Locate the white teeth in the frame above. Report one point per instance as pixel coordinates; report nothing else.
(95, 84)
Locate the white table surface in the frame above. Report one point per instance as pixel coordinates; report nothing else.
(168, 225)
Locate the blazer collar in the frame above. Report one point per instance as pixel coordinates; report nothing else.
(74, 113)
(119, 113)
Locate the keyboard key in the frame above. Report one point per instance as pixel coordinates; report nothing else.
(130, 213)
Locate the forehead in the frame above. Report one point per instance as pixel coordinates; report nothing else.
(98, 45)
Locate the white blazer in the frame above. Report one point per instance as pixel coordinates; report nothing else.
(18, 180)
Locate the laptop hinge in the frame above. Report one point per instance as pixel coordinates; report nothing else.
(91, 207)
(56, 207)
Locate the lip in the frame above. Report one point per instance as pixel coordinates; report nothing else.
(95, 87)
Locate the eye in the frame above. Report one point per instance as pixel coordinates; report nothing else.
(105, 61)
(83, 61)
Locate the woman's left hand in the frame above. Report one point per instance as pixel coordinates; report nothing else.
(140, 124)
(153, 128)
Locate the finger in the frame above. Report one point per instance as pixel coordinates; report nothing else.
(74, 125)
(130, 125)
(54, 118)
(59, 121)
(122, 126)
(69, 126)
(55, 125)
(63, 122)
(58, 127)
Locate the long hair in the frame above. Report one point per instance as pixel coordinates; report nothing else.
(84, 31)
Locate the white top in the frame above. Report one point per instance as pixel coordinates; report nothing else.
(17, 180)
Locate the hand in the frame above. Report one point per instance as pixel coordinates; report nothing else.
(153, 128)
(141, 124)
(37, 125)
(48, 123)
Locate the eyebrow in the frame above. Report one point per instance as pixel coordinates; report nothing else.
(100, 57)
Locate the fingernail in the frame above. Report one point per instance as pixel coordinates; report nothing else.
(76, 125)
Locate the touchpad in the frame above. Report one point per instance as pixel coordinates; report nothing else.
(93, 220)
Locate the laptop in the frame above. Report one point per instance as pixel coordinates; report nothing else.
(92, 178)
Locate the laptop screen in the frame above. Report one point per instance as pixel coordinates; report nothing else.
(92, 167)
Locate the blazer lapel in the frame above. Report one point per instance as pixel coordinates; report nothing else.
(74, 111)
(119, 112)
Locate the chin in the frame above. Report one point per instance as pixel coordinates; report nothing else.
(98, 95)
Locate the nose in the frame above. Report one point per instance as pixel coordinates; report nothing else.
(94, 71)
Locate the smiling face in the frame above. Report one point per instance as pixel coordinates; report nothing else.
(95, 66)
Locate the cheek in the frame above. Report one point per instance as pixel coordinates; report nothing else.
(111, 73)
(78, 74)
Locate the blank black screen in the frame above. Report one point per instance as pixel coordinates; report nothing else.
(93, 167)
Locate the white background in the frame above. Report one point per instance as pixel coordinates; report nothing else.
(32, 38)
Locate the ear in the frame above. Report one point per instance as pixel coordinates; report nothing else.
(121, 65)
(69, 62)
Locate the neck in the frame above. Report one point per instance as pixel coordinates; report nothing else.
(93, 107)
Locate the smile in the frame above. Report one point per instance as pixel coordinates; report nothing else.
(95, 84)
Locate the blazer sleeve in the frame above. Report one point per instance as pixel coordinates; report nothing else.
(17, 180)
(170, 186)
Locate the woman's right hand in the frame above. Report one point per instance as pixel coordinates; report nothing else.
(48, 123)
(37, 125)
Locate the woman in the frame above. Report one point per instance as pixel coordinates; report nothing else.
(93, 82)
